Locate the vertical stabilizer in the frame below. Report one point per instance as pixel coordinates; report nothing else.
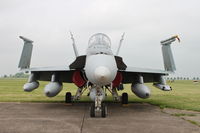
(167, 54)
(25, 59)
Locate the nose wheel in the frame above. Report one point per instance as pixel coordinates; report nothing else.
(103, 110)
(92, 110)
(95, 112)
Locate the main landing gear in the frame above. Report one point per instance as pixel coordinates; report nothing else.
(124, 99)
(68, 97)
(97, 94)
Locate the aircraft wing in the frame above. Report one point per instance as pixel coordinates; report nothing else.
(63, 73)
(130, 75)
(55, 68)
(45, 73)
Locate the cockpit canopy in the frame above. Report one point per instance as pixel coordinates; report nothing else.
(99, 44)
(99, 39)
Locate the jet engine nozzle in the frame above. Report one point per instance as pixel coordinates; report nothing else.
(102, 74)
(140, 90)
(52, 89)
(28, 87)
(162, 87)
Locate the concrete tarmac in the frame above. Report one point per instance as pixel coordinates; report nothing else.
(61, 118)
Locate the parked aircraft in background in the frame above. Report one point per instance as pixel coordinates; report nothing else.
(98, 70)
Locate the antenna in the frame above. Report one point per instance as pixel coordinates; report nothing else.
(120, 43)
(74, 45)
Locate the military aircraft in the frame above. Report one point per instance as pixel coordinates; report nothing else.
(100, 71)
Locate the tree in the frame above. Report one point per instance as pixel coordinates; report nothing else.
(20, 75)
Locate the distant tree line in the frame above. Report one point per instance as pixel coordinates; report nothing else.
(182, 78)
(25, 75)
(17, 75)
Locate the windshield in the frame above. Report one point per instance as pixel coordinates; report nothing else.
(99, 44)
(99, 39)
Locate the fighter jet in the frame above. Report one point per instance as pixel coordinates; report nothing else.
(99, 71)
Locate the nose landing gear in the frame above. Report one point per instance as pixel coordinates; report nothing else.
(97, 108)
(94, 111)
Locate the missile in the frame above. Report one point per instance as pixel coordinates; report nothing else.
(162, 84)
(162, 87)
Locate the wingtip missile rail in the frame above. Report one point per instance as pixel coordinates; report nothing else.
(26, 39)
(170, 40)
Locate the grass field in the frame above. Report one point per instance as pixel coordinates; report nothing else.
(185, 94)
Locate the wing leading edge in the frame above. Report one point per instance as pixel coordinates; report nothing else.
(45, 73)
(130, 75)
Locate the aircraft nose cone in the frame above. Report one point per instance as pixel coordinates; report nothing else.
(102, 74)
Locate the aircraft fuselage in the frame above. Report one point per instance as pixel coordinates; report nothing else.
(100, 67)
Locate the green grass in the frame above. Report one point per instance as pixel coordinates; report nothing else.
(182, 114)
(185, 94)
(194, 122)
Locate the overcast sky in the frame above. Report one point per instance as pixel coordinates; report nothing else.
(145, 23)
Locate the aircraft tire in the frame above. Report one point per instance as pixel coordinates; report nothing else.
(92, 110)
(103, 110)
(68, 97)
(124, 98)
